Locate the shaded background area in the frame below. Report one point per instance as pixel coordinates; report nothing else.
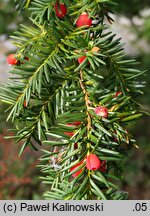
(19, 176)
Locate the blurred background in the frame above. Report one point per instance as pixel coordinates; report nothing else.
(19, 176)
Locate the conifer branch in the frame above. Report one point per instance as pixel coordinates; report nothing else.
(52, 91)
(87, 102)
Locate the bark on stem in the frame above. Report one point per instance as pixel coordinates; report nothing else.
(87, 101)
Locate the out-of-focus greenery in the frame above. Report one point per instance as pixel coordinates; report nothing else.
(136, 166)
(146, 28)
(18, 175)
(131, 7)
(9, 18)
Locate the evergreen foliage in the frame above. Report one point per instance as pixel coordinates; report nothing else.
(9, 18)
(53, 97)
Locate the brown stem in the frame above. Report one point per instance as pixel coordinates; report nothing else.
(87, 101)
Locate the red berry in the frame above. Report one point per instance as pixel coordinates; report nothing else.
(103, 166)
(81, 59)
(69, 133)
(84, 20)
(60, 10)
(12, 60)
(25, 104)
(101, 111)
(93, 162)
(75, 167)
(115, 138)
(71, 125)
(118, 93)
(75, 145)
(77, 123)
(26, 58)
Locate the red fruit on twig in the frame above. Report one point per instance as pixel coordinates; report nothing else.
(118, 93)
(101, 111)
(77, 123)
(75, 167)
(60, 10)
(11, 59)
(75, 145)
(69, 133)
(81, 59)
(93, 162)
(71, 125)
(84, 20)
(115, 137)
(26, 58)
(25, 104)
